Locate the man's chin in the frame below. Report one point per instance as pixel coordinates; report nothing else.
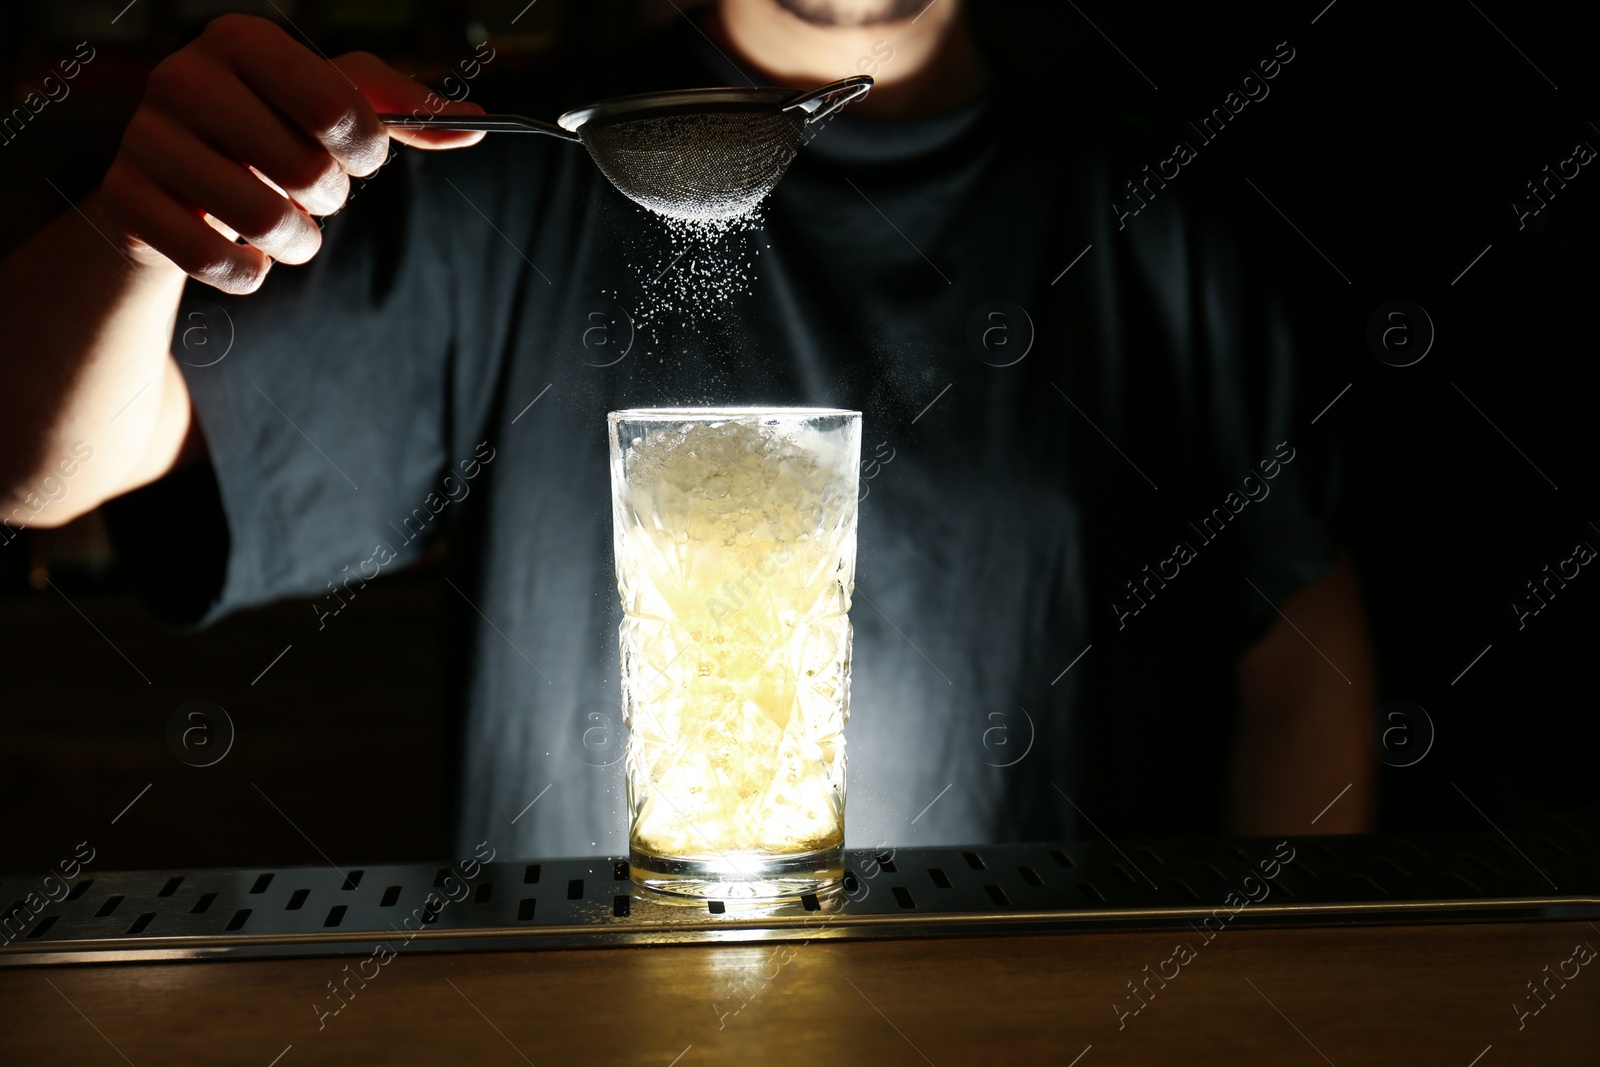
(853, 12)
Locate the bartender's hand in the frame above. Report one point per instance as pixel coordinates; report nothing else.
(243, 132)
(247, 126)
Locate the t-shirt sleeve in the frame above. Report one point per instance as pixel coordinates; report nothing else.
(323, 401)
(1290, 542)
(1279, 462)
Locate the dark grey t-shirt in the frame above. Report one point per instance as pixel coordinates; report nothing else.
(1068, 532)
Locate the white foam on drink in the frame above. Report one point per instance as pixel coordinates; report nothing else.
(741, 469)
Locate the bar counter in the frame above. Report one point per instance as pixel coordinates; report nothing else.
(1008, 954)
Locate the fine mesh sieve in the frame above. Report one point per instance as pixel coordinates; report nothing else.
(694, 154)
(697, 164)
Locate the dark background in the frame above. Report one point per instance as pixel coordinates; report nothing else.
(1396, 142)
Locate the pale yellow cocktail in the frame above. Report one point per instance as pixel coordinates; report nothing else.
(735, 535)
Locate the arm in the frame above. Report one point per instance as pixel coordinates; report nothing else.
(242, 132)
(1304, 724)
(88, 333)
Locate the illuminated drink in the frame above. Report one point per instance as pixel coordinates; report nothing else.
(735, 538)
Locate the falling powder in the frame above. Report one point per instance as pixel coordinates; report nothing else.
(703, 265)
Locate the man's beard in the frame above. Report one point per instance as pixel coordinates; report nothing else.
(853, 12)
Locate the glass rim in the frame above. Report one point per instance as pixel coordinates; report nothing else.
(708, 413)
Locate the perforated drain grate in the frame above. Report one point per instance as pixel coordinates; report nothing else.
(304, 911)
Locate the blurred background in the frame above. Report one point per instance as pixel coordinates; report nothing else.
(1397, 142)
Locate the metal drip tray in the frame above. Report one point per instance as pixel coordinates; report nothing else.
(908, 892)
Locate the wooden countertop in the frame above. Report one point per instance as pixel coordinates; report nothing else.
(1440, 994)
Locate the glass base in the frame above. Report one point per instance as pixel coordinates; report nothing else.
(737, 877)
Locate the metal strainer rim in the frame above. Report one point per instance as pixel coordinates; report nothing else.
(643, 105)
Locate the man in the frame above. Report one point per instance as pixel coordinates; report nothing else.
(1091, 510)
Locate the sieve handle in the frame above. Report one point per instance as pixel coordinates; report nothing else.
(820, 103)
(475, 123)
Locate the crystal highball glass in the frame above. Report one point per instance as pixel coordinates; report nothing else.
(735, 539)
